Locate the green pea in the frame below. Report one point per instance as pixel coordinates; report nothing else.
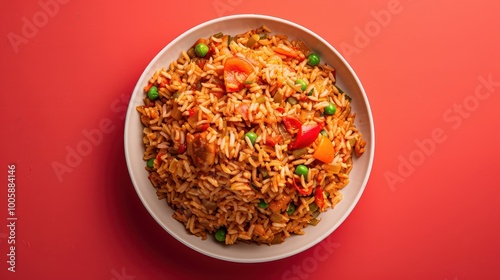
(153, 93)
(220, 234)
(263, 204)
(313, 59)
(252, 136)
(301, 170)
(302, 83)
(330, 109)
(151, 162)
(290, 209)
(324, 133)
(201, 49)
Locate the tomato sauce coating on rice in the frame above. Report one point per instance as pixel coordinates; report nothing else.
(248, 136)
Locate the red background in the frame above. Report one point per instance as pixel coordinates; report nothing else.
(430, 209)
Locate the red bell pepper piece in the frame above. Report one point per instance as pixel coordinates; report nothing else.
(243, 110)
(298, 187)
(306, 136)
(319, 198)
(281, 110)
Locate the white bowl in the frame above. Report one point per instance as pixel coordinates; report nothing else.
(241, 252)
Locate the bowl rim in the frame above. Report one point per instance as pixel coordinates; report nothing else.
(370, 141)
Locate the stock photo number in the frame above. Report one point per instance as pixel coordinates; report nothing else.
(11, 218)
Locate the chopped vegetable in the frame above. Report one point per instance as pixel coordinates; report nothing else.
(261, 99)
(306, 115)
(220, 234)
(148, 86)
(284, 132)
(290, 209)
(292, 100)
(151, 162)
(313, 59)
(251, 136)
(289, 53)
(324, 151)
(280, 204)
(153, 93)
(319, 199)
(301, 83)
(236, 71)
(191, 53)
(182, 148)
(299, 153)
(278, 97)
(313, 207)
(201, 49)
(176, 113)
(301, 170)
(330, 109)
(264, 173)
(252, 40)
(218, 35)
(292, 124)
(263, 204)
(243, 110)
(332, 168)
(301, 46)
(314, 222)
(272, 141)
(278, 218)
(298, 187)
(306, 136)
(324, 133)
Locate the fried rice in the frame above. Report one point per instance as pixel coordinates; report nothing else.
(250, 140)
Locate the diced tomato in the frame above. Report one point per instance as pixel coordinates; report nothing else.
(281, 110)
(164, 82)
(191, 112)
(219, 94)
(319, 198)
(292, 124)
(298, 187)
(182, 148)
(236, 70)
(204, 126)
(201, 62)
(272, 141)
(158, 156)
(243, 110)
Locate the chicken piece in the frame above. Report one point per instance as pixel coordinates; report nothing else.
(201, 151)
